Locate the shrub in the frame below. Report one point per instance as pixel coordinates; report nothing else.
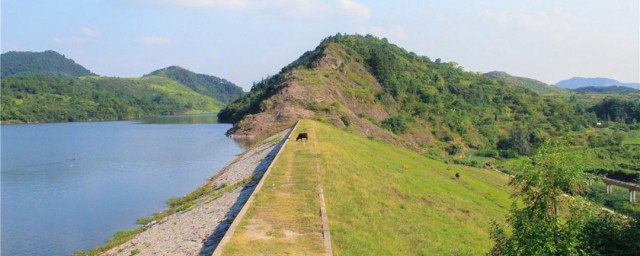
(346, 120)
(454, 149)
(397, 124)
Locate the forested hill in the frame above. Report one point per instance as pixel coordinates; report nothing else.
(48, 62)
(217, 88)
(48, 87)
(50, 98)
(606, 89)
(366, 84)
(531, 84)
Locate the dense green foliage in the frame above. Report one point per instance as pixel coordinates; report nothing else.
(48, 98)
(551, 221)
(250, 102)
(617, 110)
(217, 88)
(48, 62)
(606, 89)
(48, 87)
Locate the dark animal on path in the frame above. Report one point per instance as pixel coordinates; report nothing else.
(457, 175)
(302, 135)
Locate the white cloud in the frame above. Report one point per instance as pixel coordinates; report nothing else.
(84, 35)
(296, 8)
(353, 9)
(89, 32)
(553, 23)
(152, 40)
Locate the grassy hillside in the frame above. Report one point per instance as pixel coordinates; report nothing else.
(375, 207)
(217, 88)
(48, 62)
(47, 98)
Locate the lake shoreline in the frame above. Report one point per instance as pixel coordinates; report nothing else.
(72, 186)
(198, 230)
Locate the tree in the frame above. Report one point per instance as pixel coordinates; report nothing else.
(543, 183)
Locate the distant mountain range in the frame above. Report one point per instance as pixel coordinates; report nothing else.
(48, 87)
(578, 82)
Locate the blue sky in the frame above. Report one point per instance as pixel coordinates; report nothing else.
(244, 40)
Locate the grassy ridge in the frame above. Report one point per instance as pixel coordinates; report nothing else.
(375, 207)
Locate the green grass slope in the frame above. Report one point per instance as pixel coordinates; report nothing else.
(375, 207)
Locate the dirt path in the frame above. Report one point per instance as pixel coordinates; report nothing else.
(283, 218)
(326, 236)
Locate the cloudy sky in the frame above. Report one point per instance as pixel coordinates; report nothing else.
(244, 40)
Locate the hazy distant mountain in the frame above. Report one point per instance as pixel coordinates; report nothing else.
(48, 62)
(525, 82)
(606, 89)
(578, 82)
(212, 86)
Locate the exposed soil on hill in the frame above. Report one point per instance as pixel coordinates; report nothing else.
(335, 91)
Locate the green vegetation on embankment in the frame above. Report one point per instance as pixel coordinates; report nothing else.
(375, 207)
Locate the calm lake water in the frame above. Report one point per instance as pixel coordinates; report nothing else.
(70, 186)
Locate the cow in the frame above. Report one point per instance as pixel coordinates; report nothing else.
(302, 135)
(405, 167)
(457, 175)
